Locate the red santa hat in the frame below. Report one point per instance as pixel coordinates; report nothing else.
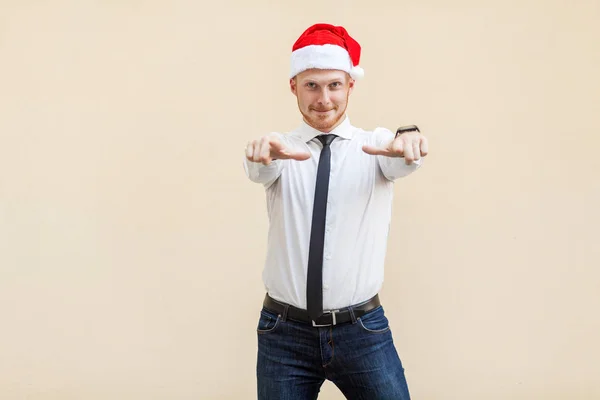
(326, 46)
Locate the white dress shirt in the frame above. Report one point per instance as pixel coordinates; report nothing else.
(358, 215)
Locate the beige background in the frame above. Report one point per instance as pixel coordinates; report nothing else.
(131, 242)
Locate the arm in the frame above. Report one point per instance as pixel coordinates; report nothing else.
(264, 174)
(393, 167)
(397, 157)
(267, 156)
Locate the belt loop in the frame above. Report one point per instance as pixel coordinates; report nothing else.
(352, 316)
(285, 312)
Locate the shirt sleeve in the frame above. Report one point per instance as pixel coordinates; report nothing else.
(393, 167)
(263, 174)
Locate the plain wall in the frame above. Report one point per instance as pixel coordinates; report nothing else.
(132, 243)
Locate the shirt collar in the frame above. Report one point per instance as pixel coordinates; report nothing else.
(307, 133)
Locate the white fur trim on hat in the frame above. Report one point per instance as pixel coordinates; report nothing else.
(357, 72)
(326, 56)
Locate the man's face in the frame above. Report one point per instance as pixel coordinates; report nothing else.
(322, 96)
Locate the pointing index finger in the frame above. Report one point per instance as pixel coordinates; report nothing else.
(374, 151)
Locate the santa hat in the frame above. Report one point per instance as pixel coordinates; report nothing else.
(326, 46)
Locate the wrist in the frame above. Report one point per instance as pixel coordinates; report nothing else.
(407, 128)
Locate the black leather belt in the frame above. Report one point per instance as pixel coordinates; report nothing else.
(329, 317)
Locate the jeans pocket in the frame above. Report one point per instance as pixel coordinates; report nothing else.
(267, 322)
(374, 321)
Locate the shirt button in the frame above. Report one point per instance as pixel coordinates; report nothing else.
(326, 287)
(327, 257)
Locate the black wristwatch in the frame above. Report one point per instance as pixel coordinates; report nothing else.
(407, 128)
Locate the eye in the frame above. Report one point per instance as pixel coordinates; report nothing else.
(336, 84)
(311, 85)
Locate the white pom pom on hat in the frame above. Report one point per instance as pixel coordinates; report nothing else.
(325, 46)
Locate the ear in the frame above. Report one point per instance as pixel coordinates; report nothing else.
(351, 85)
(293, 87)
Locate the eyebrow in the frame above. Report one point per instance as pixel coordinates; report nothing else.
(329, 81)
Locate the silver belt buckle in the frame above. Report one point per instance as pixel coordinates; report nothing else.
(332, 312)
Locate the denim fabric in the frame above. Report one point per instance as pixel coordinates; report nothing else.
(359, 357)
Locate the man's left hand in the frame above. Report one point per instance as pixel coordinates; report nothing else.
(410, 145)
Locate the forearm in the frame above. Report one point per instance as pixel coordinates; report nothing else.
(396, 167)
(263, 174)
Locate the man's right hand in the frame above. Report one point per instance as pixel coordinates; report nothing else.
(269, 148)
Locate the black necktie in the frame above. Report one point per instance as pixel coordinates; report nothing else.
(314, 279)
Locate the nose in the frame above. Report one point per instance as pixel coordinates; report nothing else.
(324, 97)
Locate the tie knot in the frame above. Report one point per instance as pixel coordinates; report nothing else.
(326, 139)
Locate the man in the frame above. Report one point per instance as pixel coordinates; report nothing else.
(329, 188)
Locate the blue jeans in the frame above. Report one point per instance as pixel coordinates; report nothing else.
(359, 357)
